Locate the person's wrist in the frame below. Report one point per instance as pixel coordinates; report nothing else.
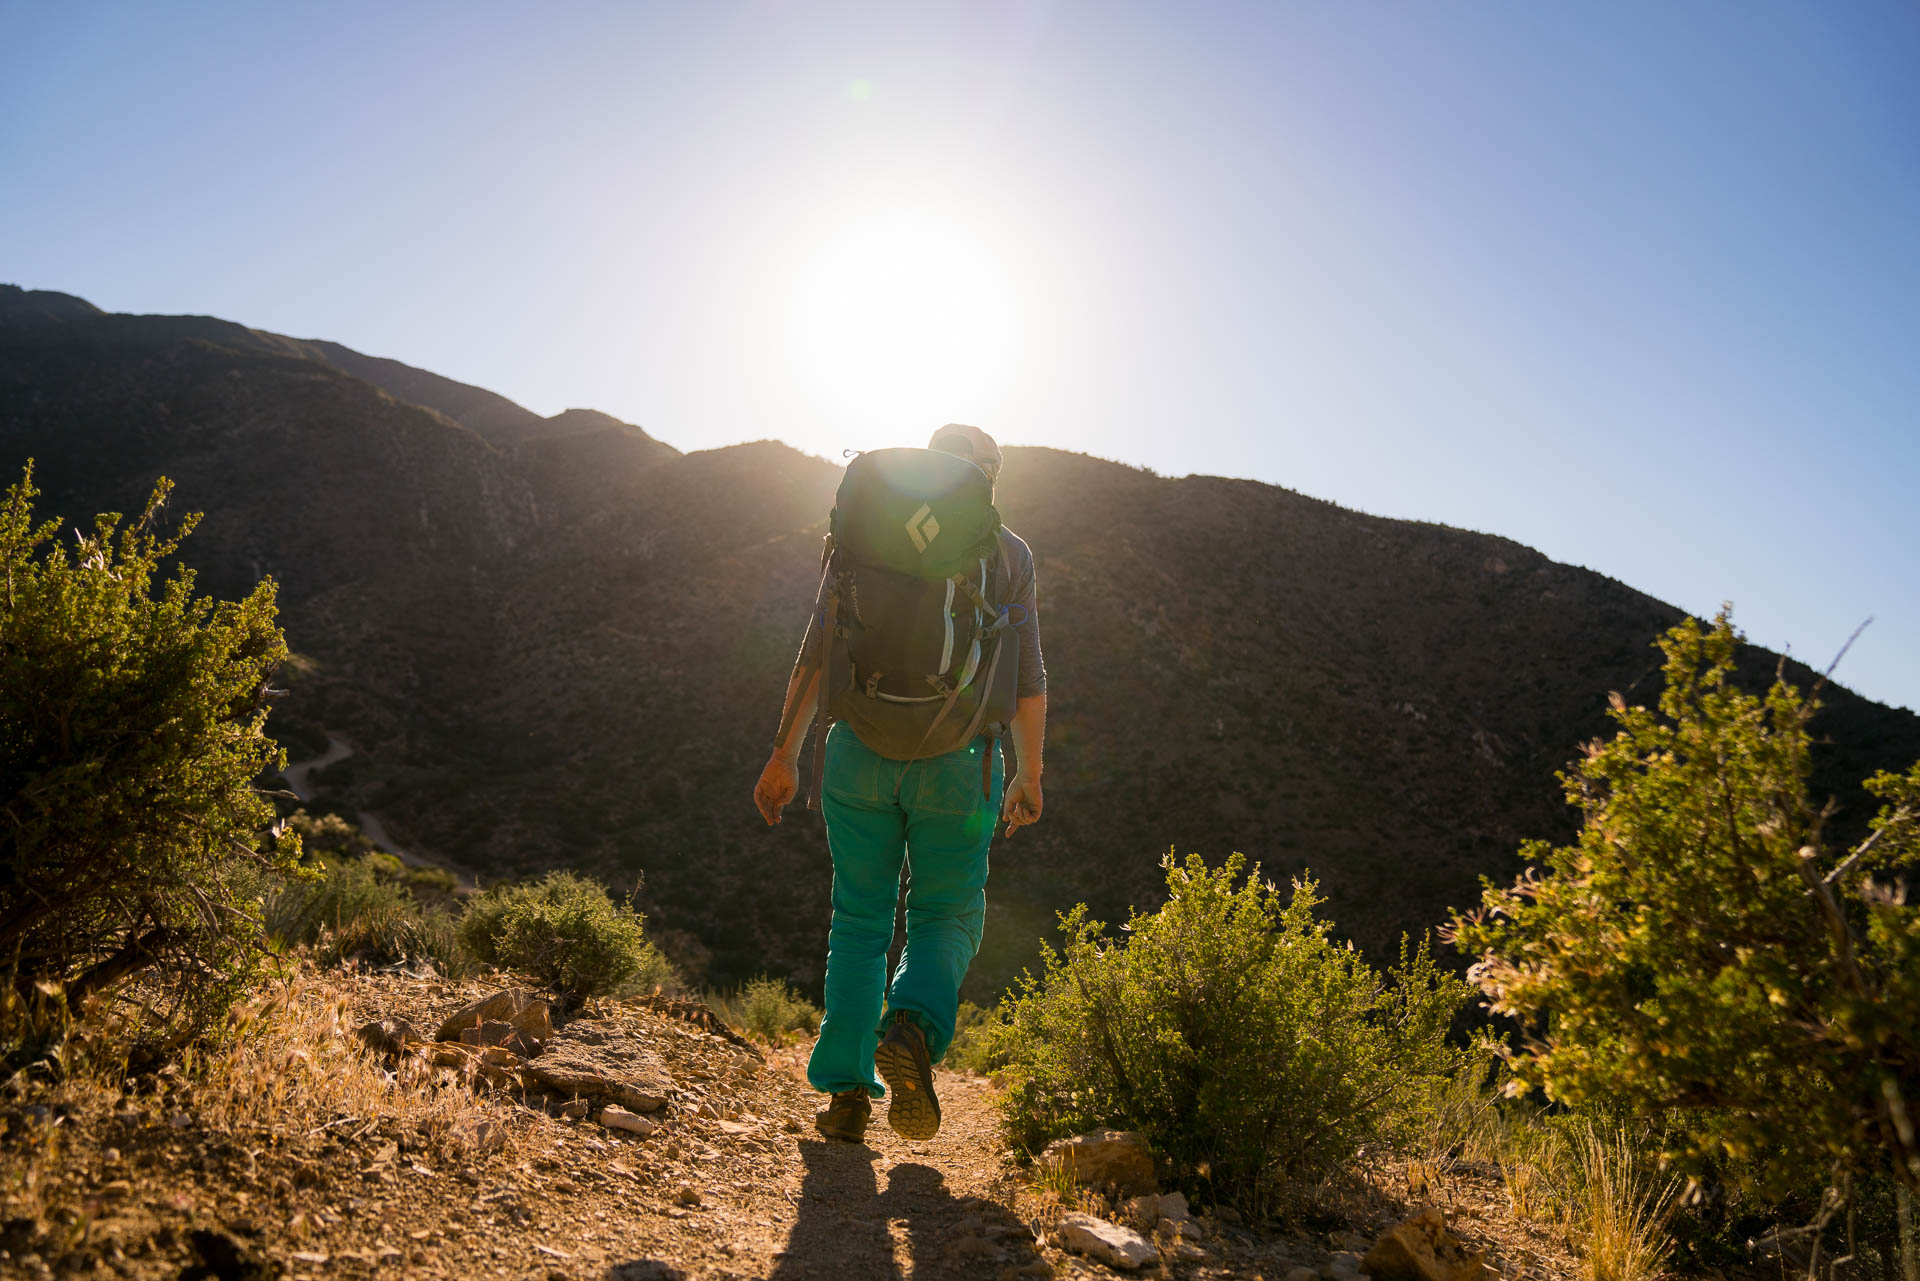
(784, 754)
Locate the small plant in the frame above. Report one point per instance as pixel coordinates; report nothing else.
(1255, 1053)
(561, 930)
(656, 975)
(132, 717)
(768, 1009)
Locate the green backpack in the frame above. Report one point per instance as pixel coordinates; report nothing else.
(915, 647)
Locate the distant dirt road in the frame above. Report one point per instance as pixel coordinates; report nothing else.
(299, 777)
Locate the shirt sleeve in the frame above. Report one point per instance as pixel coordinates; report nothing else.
(809, 656)
(1024, 605)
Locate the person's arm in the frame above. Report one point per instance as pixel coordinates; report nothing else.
(1022, 803)
(780, 779)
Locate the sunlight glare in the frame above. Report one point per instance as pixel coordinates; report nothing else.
(902, 316)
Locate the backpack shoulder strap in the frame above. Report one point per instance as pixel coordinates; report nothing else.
(829, 623)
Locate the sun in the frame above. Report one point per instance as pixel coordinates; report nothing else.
(901, 316)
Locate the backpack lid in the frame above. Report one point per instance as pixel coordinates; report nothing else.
(915, 511)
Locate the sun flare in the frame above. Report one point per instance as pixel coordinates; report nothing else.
(903, 314)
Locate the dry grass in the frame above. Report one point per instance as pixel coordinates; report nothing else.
(1593, 1184)
(290, 1053)
(1622, 1209)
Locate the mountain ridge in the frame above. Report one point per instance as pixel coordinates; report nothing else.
(570, 648)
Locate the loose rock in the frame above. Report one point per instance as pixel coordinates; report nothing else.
(1150, 1212)
(482, 1134)
(615, 1117)
(386, 1036)
(1343, 1265)
(1107, 1242)
(515, 1006)
(1117, 1158)
(1421, 1249)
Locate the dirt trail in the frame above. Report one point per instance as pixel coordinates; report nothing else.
(891, 1208)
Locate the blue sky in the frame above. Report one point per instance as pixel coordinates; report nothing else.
(1636, 284)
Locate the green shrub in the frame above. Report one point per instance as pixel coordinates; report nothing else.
(1254, 1052)
(561, 930)
(1700, 950)
(132, 719)
(767, 1008)
(656, 975)
(356, 908)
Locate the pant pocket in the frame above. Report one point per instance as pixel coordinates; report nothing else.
(949, 784)
(852, 769)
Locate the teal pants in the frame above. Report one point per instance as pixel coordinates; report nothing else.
(931, 815)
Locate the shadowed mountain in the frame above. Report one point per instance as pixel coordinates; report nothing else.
(571, 650)
(491, 416)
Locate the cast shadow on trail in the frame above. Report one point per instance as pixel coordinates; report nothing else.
(846, 1224)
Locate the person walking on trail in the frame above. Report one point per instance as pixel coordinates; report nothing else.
(922, 655)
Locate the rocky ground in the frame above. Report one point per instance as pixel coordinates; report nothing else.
(302, 1153)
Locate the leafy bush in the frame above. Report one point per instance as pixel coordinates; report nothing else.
(1700, 948)
(357, 908)
(131, 733)
(1253, 1051)
(562, 930)
(767, 1008)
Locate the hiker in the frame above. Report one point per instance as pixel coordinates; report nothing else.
(927, 632)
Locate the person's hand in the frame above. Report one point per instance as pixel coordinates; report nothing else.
(1022, 803)
(779, 781)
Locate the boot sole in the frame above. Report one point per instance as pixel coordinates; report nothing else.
(912, 1111)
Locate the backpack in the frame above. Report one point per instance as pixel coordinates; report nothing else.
(915, 644)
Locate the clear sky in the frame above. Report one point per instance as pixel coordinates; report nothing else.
(1636, 284)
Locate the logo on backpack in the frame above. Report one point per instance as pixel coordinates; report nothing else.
(922, 528)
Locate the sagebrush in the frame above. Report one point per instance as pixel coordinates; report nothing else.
(768, 1009)
(563, 931)
(1256, 1053)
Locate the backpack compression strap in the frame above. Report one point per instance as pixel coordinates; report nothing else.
(996, 632)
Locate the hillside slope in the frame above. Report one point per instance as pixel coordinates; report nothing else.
(571, 649)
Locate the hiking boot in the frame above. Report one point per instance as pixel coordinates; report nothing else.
(845, 1117)
(912, 1109)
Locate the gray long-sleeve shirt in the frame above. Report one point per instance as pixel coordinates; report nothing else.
(1022, 605)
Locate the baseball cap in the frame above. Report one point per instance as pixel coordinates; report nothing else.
(970, 443)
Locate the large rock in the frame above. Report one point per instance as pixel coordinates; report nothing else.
(520, 1009)
(1119, 1159)
(1108, 1242)
(1421, 1249)
(604, 1062)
